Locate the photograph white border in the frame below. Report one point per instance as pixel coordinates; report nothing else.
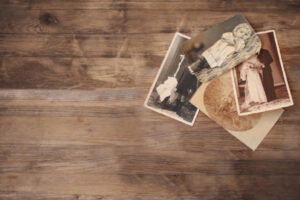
(177, 34)
(284, 77)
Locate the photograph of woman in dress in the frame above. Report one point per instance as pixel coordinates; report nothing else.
(260, 82)
(251, 73)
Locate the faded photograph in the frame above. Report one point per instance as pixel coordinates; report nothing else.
(260, 81)
(174, 86)
(216, 99)
(220, 48)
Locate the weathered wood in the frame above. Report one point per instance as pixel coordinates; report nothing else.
(94, 73)
(82, 45)
(83, 186)
(108, 158)
(133, 21)
(97, 120)
(69, 61)
(219, 5)
(77, 73)
(74, 75)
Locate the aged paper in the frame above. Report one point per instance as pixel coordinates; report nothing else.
(216, 100)
(260, 83)
(220, 48)
(174, 85)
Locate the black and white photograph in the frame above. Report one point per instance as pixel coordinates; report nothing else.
(260, 82)
(174, 85)
(220, 48)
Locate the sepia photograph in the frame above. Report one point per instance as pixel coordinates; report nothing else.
(216, 99)
(220, 48)
(260, 82)
(174, 85)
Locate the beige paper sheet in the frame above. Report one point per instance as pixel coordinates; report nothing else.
(216, 100)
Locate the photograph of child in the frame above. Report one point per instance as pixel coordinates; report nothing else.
(174, 86)
(260, 81)
(209, 59)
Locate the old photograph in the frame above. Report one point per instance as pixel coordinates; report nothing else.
(220, 48)
(260, 82)
(216, 99)
(174, 85)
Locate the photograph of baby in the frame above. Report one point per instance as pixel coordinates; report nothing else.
(174, 86)
(220, 48)
(260, 81)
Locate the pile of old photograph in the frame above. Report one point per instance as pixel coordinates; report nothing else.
(230, 73)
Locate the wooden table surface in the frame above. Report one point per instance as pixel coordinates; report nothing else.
(73, 78)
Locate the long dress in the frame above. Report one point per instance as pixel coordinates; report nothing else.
(168, 87)
(217, 54)
(254, 90)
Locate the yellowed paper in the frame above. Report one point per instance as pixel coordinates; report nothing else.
(216, 100)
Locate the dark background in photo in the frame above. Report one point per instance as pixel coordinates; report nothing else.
(209, 37)
(187, 84)
(272, 75)
(221, 48)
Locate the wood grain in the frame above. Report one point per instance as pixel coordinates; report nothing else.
(112, 21)
(73, 78)
(243, 5)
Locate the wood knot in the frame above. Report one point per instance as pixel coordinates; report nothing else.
(48, 19)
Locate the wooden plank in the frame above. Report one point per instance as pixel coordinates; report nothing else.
(133, 21)
(77, 73)
(93, 186)
(219, 5)
(72, 45)
(60, 21)
(93, 73)
(142, 159)
(96, 125)
(85, 103)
